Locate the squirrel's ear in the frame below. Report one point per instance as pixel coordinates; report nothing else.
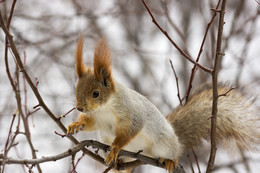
(80, 68)
(102, 63)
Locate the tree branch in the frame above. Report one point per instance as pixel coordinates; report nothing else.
(65, 154)
(141, 159)
(217, 62)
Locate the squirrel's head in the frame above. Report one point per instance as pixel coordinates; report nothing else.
(95, 85)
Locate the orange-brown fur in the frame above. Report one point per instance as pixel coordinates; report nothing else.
(123, 137)
(96, 78)
(80, 68)
(102, 61)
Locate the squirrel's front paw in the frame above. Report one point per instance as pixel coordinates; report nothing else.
(75, 126)
(112, 156)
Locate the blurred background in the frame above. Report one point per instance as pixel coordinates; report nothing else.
(46, 32)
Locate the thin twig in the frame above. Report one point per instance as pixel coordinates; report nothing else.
(166, 11)
(11, 15)
(32, 112)
(177, 83)
(190, 162)
(194, 69)
(36, 106)
(25, 89)
(225, 94)
(73, 163)
(30, 168)
(79, 159)
(9, 143)
(174, 44)
(61, 135)
(196, 159)
(63, 116)
(36, 81)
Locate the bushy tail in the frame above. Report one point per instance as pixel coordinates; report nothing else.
(238, 121)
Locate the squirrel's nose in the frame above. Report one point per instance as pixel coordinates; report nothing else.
(80, 109)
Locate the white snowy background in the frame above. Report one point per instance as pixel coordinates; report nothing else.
(45, 33)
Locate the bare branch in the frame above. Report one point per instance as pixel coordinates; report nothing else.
(217, 62)
(70, 152)
(194, 69)
(141, 159)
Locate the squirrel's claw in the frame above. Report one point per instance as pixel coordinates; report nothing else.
(75, 126)
(71, 128)
(169, 164)
(112, 156)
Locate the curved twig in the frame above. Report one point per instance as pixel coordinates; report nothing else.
(174, 44)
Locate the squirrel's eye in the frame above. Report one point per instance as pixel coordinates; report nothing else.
(95, 94)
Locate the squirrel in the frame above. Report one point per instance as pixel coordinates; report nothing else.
(127, 120)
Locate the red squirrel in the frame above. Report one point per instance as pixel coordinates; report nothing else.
(127, 120)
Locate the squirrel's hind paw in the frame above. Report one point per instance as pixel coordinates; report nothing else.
(112, 156)
(169, 164)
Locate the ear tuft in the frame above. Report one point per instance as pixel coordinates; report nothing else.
(102, 63)
(80, 68)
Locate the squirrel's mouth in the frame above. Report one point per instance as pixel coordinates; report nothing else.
(82, 108)
(87, 111)
(79, 109)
